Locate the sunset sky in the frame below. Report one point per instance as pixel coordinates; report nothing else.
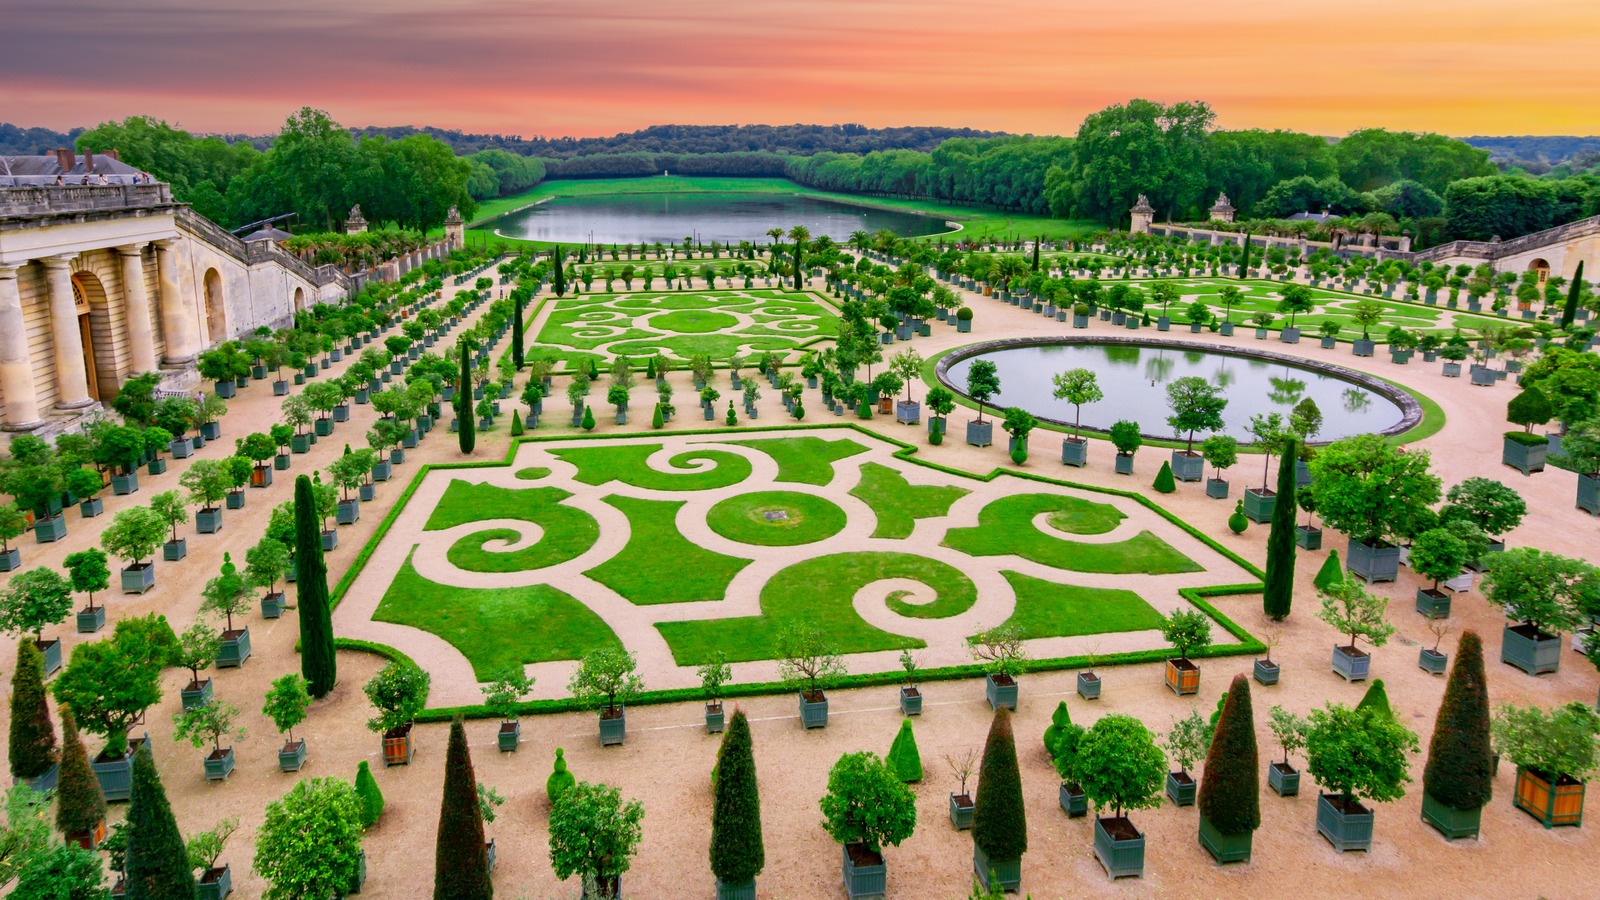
(583, 67)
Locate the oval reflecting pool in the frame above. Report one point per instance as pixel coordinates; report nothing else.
(723, 217)
(1134, 379)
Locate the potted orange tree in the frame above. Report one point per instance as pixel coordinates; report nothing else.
(286, 704)
(1555, 753)
(502, 697)
(1001, 651)
(398, 692)
(1545, 594)
(1121, 769)
(1186, 631)
(606, 679)
(808, 663)
(866, 808)
(1355, 754)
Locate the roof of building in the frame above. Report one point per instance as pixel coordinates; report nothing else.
(49, 166)
(1319, 218)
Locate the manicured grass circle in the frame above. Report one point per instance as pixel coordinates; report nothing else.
(694, 321)
(776, 518)
(533, 473)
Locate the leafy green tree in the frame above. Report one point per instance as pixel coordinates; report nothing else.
(1229, 793)
(867, 804)
(1187, 631)
(1529, 408)
(399, 692)
(1486, 503)
(157, 862)
(34, 599)
(1370, 490)
(1140, 146)
(1348, 606)
(999, 819)
(1120, 766)
(606, 679)
(1196, 406)
(1561, 742)
(594, 834)
(460, 866)
(33, 735)
(317, 657)
(286, 703)
(737, 852)
(1278, 593)
(63, 872)
(310, 842)
(1359, 753)
(1505, 206)
(109, 684)
(1553, 593)
(1076, 386)
(983, 382)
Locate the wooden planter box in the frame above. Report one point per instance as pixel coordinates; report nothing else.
(961, 809)
(1001, 690)
(1351, 663)
(1074, 452)
(196, 695)
(397, 749)
(1007, 872)
(1181, 787)
(1345, 829)
(1433, 604)
(1554, 802)
(219, 764)
(234, 648)
(1183, 677)
(1258, 504)
(138, 578)
(1088, 685)
(910, 701)
(1372, 562)
(1283, 778)
(1266, 672)
(865, 875)
(1530, 649)
(1225, 848)
(813, 710)
(1074, 802)
(1122, 857)
(1432, 661)
(613, 730)
(292, 755)
(1308, 538)
(91, 839)
(1450, 822)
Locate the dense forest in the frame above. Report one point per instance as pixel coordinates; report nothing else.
(1539, 154)
(686, 139)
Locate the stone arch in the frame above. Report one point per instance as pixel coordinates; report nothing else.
(1541, 266)
(216, 309)
(96, 333)
(299, 298)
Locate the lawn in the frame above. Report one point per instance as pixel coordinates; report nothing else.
(567, 530)
(701, 469)
(1005, 528)
(496, 628)
(819, 592)
(776, 518)
(680, 325)
(897, 503)
(805, 460)
(659, 565)
(1047, 609)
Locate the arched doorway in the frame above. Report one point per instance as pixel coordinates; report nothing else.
(95, 333)
(299, 299)
(216, 312)
(1542, 267)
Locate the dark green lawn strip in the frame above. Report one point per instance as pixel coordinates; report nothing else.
(626, 463)
(1005, 527)
(897, 503)
(1046, 609)
(568, 531)
(498, 627)
(659, 565)
(805, 460)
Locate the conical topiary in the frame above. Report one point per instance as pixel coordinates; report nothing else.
(80, 805)
(33, 734)
(737, 852)
(999, 821)
(367, 792)
(1238, 522)
(1331, 573)
(1376, 698)
(588, 418)
(1229, 794)
(460, 866)
(1164, 482)
(516, 423)
(1278, 591)
(157, 862)
(1460, 770)
(657, 420)
(904, 760)
(560, 779)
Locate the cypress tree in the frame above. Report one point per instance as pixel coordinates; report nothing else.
(904, 760)
(1571, 308)
(1244, 264)
(317, 661)
(460, 866)
(999, 821)
(1331, 572)
(1036, 252)
(80, 806)
(1229, 794)
(1279, 592)
(33, 734)
(466, 425)
(737, 852)
(158, 863)
(799, 254)
(558, 279)
(516, 330)
(1164, 482)
(1460, 771)
(367, 792)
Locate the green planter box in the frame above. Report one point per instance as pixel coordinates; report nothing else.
(961, 809)
(1124, 463)
(864, 879)
(272, 605)
(1372, 562)
(48, 531)
(292, 755)
(300, 443)
(980, 434)
(196, 695)
(814, 713)
(1433, 604)
(1530, 649)
(1121, 857)
(1362, 347)
(1266, 672)
(42, 783)
(1074, 802)
(614, 730)
(1345, 830)
(746, 891)
(1284, 779)
(173, 551)
(330, 541)
(1074, 452)
(1589, 494)
(509, 735)
(1432, 661)
(716, 718)
(1452, 823)
(910, 701)
(1181, 788)
(1001, 690)
(1258, 504)
(322, 427)
(208, 521)
(1007, 872)
(1308, 538)
(122, 485)
(1088, 686)
(91, 620)
(115, 774)
(1224, 848)
(1187, 467)
(138, 578)
(234, 500)
(234, 648)
(214, 884)
(157, 466)
(280, 462)
(348, 512)
(1525, 458)
(1217, 488)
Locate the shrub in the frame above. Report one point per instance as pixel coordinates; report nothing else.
(867, 804)
(560, 780)
(399, 691)
(593, 833)
(737, 852)
(1330, 574)
(1120, 766)
(1229, 792)
(1359, 753)
(369, 798)
(158, 863)
(1238, 521)
(1460, 771)
(999, 818)
(1186, 631)
(1376, 698)
(310, 842)
(1560, 742)
(1164, 483)
(903, 759)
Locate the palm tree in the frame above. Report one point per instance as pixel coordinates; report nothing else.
(775, 234)
(860, 239)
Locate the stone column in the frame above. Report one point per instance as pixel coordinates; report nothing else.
(177, 323)
(136, 300)
(72, 383)
(21, 411)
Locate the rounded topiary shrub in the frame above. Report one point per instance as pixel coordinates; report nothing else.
(1238, 522)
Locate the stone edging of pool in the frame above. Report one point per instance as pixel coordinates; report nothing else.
(1410, 409)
